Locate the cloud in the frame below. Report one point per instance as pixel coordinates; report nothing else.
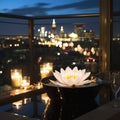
(35, 10)
(86, 4)
(42, 9)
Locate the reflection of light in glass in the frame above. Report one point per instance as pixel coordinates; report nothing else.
(26, 100)
(17, 105)
(45, 98)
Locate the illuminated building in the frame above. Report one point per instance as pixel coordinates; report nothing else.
(42, 32)
(61, 32)
(81, 31)
(54, 27)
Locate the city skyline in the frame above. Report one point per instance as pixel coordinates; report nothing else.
(68, 25)
(46, 8)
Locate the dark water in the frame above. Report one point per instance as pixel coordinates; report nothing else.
(42, 111)
(29, 109)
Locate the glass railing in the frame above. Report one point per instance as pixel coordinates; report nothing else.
(61, 41)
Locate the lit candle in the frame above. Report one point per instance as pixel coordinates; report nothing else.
(46, 70)
(16, 77)
(39, 85)
(25, 82)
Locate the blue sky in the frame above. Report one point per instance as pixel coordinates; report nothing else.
(48, 7)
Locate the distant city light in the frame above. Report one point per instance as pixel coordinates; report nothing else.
(58, 53)
(1, 71)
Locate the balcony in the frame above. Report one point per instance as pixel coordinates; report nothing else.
(47, 40)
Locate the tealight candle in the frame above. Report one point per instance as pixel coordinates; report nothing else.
(46, 70)
(25, 82)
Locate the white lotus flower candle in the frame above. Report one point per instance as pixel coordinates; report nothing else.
(71, 77)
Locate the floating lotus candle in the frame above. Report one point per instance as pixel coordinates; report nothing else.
(71, 77)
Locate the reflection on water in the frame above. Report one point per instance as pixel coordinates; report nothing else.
(45, 98)
(18, 104)
(26, 107)
(44, 109)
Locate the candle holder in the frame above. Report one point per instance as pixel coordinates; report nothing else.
(16, 77)
(46, 70)
(25, 82)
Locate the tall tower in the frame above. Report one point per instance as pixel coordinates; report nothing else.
(42, 32)
(54, 27)
(61, 32)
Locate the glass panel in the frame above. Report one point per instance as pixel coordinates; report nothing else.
(14, 51)
(68, 42)
(115, 44)
(11, 26)
(116, 4)
(58, 48)
(115, 49)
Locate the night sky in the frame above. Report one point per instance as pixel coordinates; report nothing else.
(48, 7)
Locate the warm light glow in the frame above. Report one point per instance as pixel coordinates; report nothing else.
(17, 105)
(39, 85)
(46, 69)
(71, 76)
(93, 60)
(88, 60)
(45, 98)
(93, 50)
(73, 35)
(25, 82)
(26, 100)
(85, 53)
(16, 77)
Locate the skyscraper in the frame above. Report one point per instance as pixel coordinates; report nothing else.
(54, 27)
(61, 32)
